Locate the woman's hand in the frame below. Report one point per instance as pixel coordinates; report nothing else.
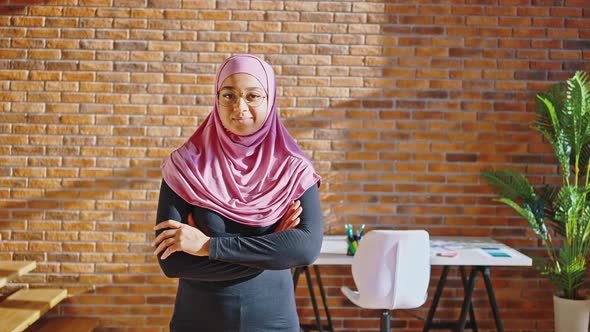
(180, 237)
(291, 218)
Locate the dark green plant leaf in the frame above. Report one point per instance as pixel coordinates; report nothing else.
(557, 136)
(526, 211)
(584, 160)
(510, 184)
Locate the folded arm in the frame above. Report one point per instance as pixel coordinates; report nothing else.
(281, 250)
(183, 265)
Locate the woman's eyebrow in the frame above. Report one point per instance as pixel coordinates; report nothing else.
(248, 88)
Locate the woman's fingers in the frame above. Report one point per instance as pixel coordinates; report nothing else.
(177, 236)
(297, 213)
(168, 224)
(292, 215)
(284, 220)
(279, 227)
(163, 236)
(170, 250)
(289, 224)
(292, 211)
(166, 239)
(296, 207)
(294, 223)
(163, 245)
(291, 218)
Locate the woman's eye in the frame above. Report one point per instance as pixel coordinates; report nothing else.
(229, 96)
(254, 97)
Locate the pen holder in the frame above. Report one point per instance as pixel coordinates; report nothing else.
(353, 244)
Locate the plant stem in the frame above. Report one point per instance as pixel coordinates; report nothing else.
(551, 250)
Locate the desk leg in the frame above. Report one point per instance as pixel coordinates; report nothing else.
(492, 298)
(467, 306)
(318, 324)
(313, 301)
(471, 313)
(467, 299)
(323, 294)
(437, 294)
(296, 274)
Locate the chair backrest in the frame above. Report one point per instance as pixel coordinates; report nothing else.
(391, 269)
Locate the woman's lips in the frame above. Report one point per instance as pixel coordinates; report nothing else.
(243, 120)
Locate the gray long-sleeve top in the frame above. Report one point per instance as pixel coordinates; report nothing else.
(245, 284)
(237, 250)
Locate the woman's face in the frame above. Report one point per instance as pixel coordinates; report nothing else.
(243, 104)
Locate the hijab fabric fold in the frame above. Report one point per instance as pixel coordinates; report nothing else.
(249, 179)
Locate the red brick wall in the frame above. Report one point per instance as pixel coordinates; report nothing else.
(399, 103)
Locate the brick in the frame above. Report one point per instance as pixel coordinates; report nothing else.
(567, 54)
(27, 43)
(43, 33)
(297, 27)
(27, 21)
(577, 23)
(565, 11)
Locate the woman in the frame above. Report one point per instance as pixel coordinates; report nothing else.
(239, 207)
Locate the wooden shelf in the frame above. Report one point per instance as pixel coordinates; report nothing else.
(10, 270)
(26, 306)
(69, 324)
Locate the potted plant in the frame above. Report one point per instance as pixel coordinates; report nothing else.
(559, 214)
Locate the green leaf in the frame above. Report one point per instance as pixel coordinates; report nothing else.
(510, 184)
(557, 136)
(538, 225)
(576, 108)
(584, 160)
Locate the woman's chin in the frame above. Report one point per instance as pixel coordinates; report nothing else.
(243, 127)
(242, 130)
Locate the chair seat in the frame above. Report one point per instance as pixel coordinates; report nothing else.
(391, 270)
(353, 296)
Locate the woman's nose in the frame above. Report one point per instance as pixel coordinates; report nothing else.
(241, 105)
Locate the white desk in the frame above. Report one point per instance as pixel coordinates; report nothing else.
(469, 252)
(474, 252)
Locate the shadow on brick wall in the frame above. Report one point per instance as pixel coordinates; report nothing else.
(8, 7)
(95, 205)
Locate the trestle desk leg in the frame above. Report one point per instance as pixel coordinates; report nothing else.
(471, 312)
(313, 300)
(437, 295)
(296, 274)
(316, 269)
(492, 298)
(467, 300)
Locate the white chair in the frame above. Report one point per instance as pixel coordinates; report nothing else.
(391, 270)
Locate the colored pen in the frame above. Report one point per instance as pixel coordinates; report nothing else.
(359, 233)
(350, 234)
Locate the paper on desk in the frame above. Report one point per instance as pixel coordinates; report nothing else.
(444, 248)
(334, 244)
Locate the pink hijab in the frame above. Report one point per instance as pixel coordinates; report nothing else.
(250, 179)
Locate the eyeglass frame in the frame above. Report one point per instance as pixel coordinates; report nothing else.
(240, 95)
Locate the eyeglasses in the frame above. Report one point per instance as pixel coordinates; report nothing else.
(230, 97)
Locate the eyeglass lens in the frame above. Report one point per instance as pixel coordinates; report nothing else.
(229, 97)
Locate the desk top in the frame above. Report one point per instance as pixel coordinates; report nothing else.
(471, 251)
